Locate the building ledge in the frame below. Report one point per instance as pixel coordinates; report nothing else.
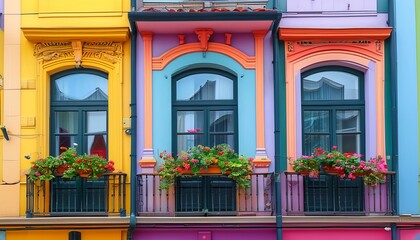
(63, 222)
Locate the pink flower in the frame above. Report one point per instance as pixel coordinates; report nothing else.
(186, 166)
(194, 160)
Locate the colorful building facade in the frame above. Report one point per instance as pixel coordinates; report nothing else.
(204, 78)
(65, 83)
(272, 79)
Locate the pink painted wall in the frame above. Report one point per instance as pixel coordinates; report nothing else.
(205, 234)
(412, 234)
(334, 234)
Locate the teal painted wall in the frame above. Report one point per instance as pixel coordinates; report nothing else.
(162, 100)
(382, 6)
(408, 134)
(418, 63)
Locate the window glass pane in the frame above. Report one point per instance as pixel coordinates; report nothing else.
(221, 121)
(186, 142)
(348, 121)
(63, 141)
(95, 122)
(316, 121)
(310, 142)
(222, 138)
(81, 86)
(204, 86)
(96, 133)
(66, 122)
(66, 130)
(190, 121)
(349, 143)
(331, 85)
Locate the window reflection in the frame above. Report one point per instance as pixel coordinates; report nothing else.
(204, 86)
(81, 86)
(331, 85)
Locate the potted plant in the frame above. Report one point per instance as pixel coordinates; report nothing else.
(345, 165)
(200, 160)
(307, 165)
(69, 164)
(90, 166)
(44, 168)
(376, 168)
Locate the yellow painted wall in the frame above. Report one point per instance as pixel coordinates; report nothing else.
(64, 20)
(117, 234)
(1, 98)
(74, 13)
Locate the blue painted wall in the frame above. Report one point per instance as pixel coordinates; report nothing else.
(162, 104)
(408, 134)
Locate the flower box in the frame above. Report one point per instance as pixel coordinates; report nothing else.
(202, 160)
(345, 165)
(69, 165)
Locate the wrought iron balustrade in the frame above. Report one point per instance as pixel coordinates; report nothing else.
(77, 196)
(331, 195)
(204, 195)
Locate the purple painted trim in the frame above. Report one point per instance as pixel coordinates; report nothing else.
(242, 41)
(245, 43)
(298, 114)
(165, 42)
(370, 111)
(269, 100)
(2, 15)
(140, 100)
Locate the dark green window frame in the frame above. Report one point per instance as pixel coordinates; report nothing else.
(206, 106)
(205, 195)
(77, 196)
(327, 194)
(332, 106)
(79, 107)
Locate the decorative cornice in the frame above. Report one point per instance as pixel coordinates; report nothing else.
(86, 34)
(296, 34)
(329, 42)
(107, 51)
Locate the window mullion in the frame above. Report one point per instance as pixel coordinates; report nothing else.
(333, 127)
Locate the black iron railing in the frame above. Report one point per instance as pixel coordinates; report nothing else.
(204, 195)
(331, 195)
(77, 197)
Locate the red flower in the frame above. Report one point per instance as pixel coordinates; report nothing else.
(220, 153)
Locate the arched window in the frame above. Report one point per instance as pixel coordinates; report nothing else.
(204, 110)
(204, 107)
(79, 109)
(333, 109)
(333, 115)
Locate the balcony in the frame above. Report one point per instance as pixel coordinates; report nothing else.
(330, 195)
(105, 196)
(205, 196)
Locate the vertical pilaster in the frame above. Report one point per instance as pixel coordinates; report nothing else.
(148, 160)
(261, 159)
(11, 149)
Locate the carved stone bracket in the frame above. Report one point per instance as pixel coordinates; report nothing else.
(228, 37)
(378, 45)
(107, 51)
(290, 47)
(204, 36)
(181, 38)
